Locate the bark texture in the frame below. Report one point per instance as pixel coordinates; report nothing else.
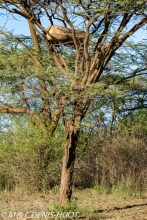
(72, 134)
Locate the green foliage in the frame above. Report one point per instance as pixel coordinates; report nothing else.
(72, 207)
(29, 156)
(134, 124)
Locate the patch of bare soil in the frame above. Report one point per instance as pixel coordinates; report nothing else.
(91, 205)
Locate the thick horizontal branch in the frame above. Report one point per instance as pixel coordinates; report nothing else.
(13, 110)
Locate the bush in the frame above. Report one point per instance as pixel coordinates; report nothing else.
(112, 162)
(30, 157)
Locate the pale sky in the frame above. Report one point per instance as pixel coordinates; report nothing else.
(20, 26)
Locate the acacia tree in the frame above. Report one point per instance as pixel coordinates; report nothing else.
(60, 75)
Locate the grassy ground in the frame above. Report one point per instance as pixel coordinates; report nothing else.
(87, 204)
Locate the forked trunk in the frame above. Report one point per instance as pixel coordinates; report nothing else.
(72, 135)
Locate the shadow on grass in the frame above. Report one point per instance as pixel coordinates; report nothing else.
(119, 208)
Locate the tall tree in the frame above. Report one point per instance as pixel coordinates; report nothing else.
(50, 76)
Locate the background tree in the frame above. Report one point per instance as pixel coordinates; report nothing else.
(54, 80)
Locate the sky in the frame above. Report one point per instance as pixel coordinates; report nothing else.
(20, 26)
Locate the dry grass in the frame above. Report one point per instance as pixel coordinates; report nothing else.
(88, 202)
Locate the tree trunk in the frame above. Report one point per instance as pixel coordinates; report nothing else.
(72, 134)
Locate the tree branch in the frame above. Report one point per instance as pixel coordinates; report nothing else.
(14, 110)
(34, 37)
(112, 46)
